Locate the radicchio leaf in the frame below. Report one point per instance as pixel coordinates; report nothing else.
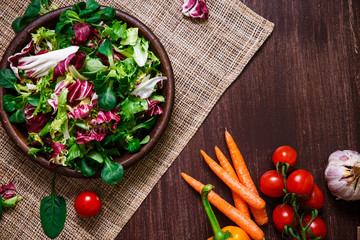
(80, 111)
(104, 59)
(57, 147)
(7, 191)
(97, 133)
(84, 32)
(35, 123)
(106, 117)
(14, 59)
(153, 108)
(53, 101)
(195, 9)
(39, 65)
(79, 90)
(76, 59)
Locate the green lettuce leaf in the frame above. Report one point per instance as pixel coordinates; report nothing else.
(132, 105)
(60, 122)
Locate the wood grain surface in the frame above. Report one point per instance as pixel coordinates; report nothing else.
(301, 89)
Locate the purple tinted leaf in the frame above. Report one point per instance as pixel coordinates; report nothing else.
(84, 32)
(14, 59)
(106, 117)
(153, 108)
(7, 191)
(76, 59)
(81, 111)
(97, 133)
(79, 90)
(104, 59)
(35, 123)
(196, 9)
(57, 147)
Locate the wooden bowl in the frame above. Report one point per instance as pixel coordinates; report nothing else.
(19, 133)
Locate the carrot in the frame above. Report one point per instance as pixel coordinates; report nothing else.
(243, 174)
(251, 198)
(228, 210)
(225, 164)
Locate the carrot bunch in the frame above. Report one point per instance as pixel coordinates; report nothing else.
(243, 189)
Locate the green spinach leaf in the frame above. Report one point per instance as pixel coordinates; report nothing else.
(107, 100)
(112, 172)
(7, 78)
(9, 103)
(17, 117)
(89, 167)
(34, 99)
(53, 213)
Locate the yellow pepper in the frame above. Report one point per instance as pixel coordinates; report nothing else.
(227, 233)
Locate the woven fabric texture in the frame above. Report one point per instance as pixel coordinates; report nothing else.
(206, 58)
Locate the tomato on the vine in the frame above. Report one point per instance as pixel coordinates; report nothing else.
(285, 154)
(300, 182)
(316, 199)
(87, 204)
(272, 184)
(317, 227)
(283, 215)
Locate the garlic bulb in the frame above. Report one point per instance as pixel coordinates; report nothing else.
(343, 174)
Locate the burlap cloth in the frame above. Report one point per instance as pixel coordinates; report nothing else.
(206, 58)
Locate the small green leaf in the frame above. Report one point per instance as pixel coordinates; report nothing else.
(33, 152)
(104, 14)
(82, 125)
(34, 99)
(94, 155)
(9, 103)
(145, 140)
(11, 202)
(106, 48)
(17, 117)
(7, 78)
(134, 145)
(148, 124)
(89, 167)
(31, 13)
(112, 172)
(132, 105)
(107, 100)
(90, 7)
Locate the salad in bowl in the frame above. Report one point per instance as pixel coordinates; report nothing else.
(87, 89)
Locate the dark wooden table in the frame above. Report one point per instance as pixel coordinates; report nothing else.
(300, 89)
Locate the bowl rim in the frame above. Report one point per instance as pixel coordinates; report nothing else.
(156, 132)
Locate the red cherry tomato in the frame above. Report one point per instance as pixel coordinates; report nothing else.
(282, 216)
(285, 154)
(87, 204)
(316, 199)
(272, 184)
(317, 227)
(300, 182)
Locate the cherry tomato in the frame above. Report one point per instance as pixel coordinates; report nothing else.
(282, 216)
(300, 182)
(317, 227)
(285, 154)
(316, 199)
(87, 204)
(272, 184)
